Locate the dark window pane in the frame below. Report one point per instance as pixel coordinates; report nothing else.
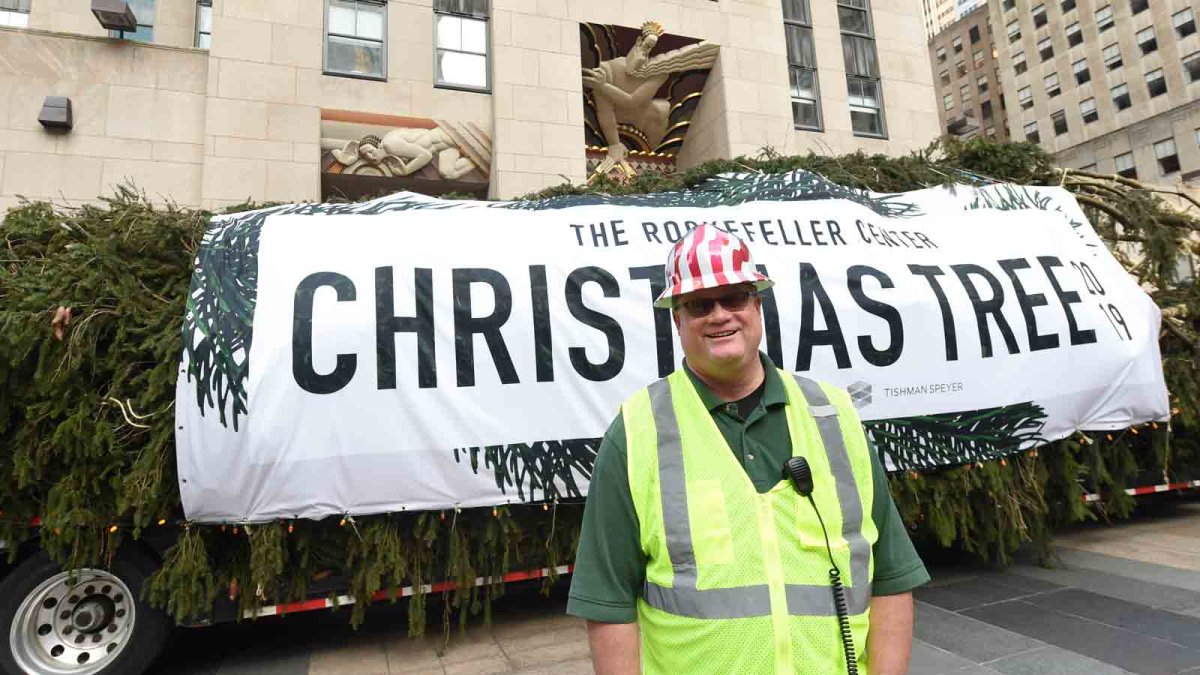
(866, 122)
(1137, 6)
(477, 8)
(860, 57)
(853, 20)
(1068, 5)
(796, 10)
(804, 83)
(804, 114)
(348, 55)
(800, 46)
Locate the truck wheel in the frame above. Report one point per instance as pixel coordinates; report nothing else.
(83, 622)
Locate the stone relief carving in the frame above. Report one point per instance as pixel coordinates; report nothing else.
(624, 91)
(458, 150)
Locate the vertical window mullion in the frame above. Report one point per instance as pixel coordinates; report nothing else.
(803, 83)
(863, 82)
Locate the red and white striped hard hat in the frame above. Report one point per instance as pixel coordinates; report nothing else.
(708, 257)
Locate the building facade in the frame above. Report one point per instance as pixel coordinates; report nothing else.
(1105, 85)
(213, 102)
(966, 76)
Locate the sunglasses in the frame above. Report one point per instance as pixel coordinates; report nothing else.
(732, 302)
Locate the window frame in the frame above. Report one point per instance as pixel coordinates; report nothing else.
(1032, 137)
(1132, 168)
(1109, 17)
(1094, 112)
(1039, 12)
(1086, 71)
(1067, 6)
(128, 35)
(1191, 21)
(1058, 118)
(1193, 58)
(383, 42)
(1138, 6)
(862, 79)
(1013, 35)
(8, 17)
(1052, 88)
(1020, 65)
(486, 54)
(1024, 101)
(1162, 77)
(1158, 158)
(200, 4)
(816, 101)
(1111, 64)
(1074, 37)
(1142, 44)
(1048, 43)
(1113, 96)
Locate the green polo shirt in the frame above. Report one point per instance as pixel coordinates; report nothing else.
(610, 566)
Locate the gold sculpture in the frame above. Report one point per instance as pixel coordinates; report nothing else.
(624, 90)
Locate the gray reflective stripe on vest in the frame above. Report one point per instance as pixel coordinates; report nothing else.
(684, 599)
(858, 594)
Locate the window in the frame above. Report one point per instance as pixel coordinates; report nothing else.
(1051, 82)
(1009, 4)
(1112, 56)
(1191, 64)
(1156, 84)
(1088, 167)
(973, 33)
(1146, 40)
(1168, 160)
(461, 32)
(1014, 30)
(1045, 49)
(1074, 35)
(1039, 16)
(143, 11)
(1125, 165)
(862, 68)
(941, 54)
(956, 43)
(14, 13)
(1138, 6)
(203, 23)
(1059, 118)
(1031, 133)
(802, 65)
(947, 101)
(1087, 110)
(960, 69)
(1080, 68)
(964, 93)
(985, 110)
(1019, 65)
(354, 38)
(945, 77)
(1068, 5)
(1184, 22)
(991, 132)
(1104, 18)
(982, 83)
(977, 57)
(1120, 96)
(1025, 97)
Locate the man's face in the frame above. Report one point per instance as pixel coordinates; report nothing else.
(718, 339)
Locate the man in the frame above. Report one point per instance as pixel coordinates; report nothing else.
(697, 555)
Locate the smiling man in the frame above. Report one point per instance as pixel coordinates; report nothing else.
(698, 554)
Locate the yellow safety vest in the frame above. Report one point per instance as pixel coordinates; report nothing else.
(737, 581)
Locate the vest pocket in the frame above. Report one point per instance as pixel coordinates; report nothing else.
(711, 536)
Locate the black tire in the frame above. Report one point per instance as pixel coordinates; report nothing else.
(142, 644)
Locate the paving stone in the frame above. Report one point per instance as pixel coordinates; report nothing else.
(478, 667)
(576, 667)
(927, 659)
(967, 637)
(365, 658)
(1134, 569)
(1170, 626)
(554, 653)
(972, 670)
(1147, 593)
(968, 593)
(290, 662)
(1052, 660)
(475, 645)
(1116, 646)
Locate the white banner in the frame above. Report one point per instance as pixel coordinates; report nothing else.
(411, 354)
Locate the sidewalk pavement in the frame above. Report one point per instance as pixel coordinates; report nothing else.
(1126, 599)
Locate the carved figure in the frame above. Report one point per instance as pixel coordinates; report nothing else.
(403, 152)
(624, 90)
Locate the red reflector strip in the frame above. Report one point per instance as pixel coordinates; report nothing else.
(1149, 489)
(441, 586)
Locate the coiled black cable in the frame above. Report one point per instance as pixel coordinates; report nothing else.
(840, 606)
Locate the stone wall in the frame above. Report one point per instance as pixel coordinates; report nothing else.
(138, 110)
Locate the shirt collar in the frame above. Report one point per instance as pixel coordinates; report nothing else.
(773, 392)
